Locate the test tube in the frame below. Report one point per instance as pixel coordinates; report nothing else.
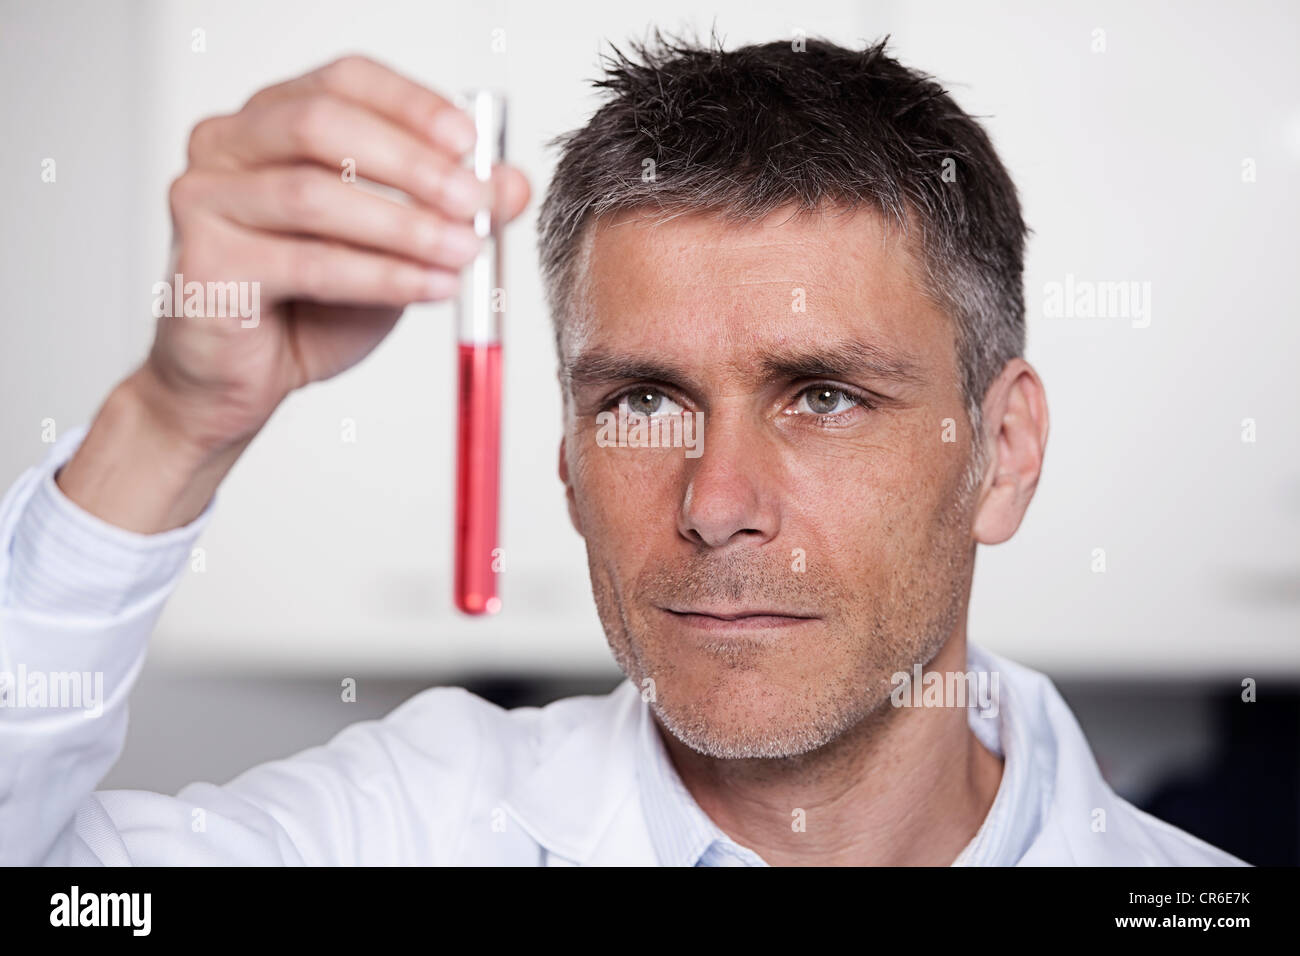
(479, 310)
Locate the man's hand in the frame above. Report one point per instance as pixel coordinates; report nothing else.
(264, 200)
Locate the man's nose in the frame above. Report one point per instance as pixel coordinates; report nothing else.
(731, 494)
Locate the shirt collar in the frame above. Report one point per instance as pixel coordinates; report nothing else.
(1020, 804)
(681, 832)
(684, 835)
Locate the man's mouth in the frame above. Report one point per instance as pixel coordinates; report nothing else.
(737, 619)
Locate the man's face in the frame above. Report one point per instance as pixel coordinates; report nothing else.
(771, 586)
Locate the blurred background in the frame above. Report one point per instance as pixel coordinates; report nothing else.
(1153, 143)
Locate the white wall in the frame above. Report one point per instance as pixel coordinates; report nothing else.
(326, 556)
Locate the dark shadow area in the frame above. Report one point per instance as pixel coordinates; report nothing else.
(1246, 799)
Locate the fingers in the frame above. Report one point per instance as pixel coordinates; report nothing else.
(318, 270)
(322, 271)
(270, 175)
(307, 200)
(417, 109)
(328, 131)
(395, 132)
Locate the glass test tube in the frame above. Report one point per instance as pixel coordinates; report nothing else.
(479, 311)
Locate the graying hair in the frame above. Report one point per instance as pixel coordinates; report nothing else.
(746, 132)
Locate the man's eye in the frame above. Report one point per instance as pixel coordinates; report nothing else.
(825, 400)
(648, 402)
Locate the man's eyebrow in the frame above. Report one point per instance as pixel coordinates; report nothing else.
(844, 359)
(600, 367)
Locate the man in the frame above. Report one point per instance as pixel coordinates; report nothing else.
(811, 250)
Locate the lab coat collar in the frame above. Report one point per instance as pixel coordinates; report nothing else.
(581, 802)
(580, 817)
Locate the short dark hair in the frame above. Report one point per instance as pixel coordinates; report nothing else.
(763, 126)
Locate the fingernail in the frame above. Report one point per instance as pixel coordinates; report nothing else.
(465, 193)
(455, 130)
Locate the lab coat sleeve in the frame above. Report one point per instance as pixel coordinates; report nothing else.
(79, 596)
(78, 599)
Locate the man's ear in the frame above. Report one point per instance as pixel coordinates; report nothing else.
(1015, 437)
(568, 488)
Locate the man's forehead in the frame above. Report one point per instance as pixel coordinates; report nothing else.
(835, 280)
(730, 240)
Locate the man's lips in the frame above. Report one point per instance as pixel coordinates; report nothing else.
(736, 619)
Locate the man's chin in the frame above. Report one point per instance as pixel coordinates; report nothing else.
(762, 689)
(728, 713)
(737, 736)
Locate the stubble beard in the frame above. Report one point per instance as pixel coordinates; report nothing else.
(919, 615)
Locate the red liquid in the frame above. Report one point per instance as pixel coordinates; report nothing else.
(478, 476)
